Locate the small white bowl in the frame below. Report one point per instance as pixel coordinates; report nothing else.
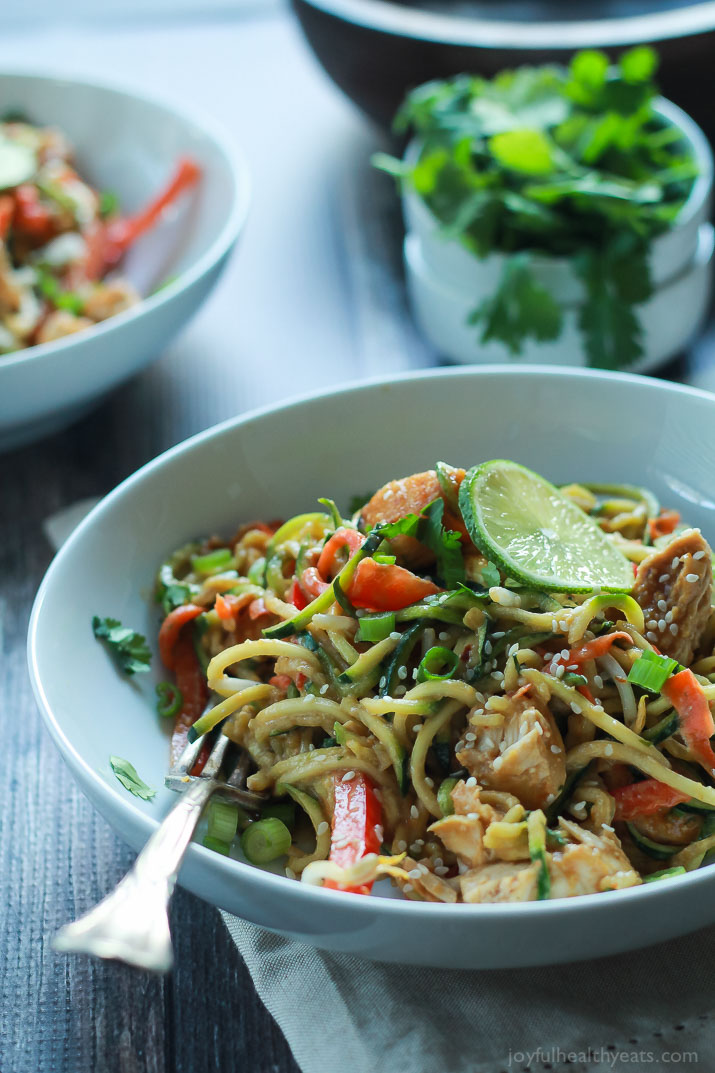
(567, 424)
(127, 143)
(446, 281)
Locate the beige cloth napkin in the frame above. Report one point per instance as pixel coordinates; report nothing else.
(646, 1012)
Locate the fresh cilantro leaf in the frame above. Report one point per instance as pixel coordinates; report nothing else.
(445, 543)
(128, 648)
(490, 575)
(611, 330)
(173, 595)
(130, 780)
(526, 151)
(519, 309)
(638, 64)
(406, 526)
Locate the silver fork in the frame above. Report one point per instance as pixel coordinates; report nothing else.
(132, 923)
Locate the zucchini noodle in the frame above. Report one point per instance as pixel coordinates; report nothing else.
(382, 674)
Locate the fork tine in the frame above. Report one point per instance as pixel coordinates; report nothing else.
(213, 765)
(232, 787)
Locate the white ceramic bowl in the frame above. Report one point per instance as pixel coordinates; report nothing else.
(446, 281)
(568, 425)
(127, 143)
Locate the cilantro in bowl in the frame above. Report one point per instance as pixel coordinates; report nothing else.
(571, 163)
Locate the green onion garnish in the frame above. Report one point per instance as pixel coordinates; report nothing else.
(211, 562)
(385, 560)
(108, 203)
(255, 573)
(666, 873)
(651, 671)
(169, 700)
(375, 627)
(265, 840)
(217, 845)
(223, 821)
(573, 679)
(433, 660)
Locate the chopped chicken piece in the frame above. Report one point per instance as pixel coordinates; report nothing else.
(674, 588)
(108, 299)
(501, 882)
(61, 323)
(427, 885)
(518, 756)
(464, 834)
(589, 864)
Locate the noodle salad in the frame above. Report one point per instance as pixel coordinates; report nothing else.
(482, 686)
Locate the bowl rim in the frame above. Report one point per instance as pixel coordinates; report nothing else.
(391, 18)
(230, 229)
(218, 868)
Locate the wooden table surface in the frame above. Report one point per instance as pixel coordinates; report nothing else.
(313, 297)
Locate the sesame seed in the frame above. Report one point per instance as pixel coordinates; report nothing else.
(414, 873)
(441, 870)
(415, 812)
(459, 746)
(576, 707)
(401, 846)
(673, 629)
(564, 653)
(429, 782)
(560, 670)
(579, 806)
(470, 736)
(498, 634)
(554, 625)
(419, 842)
(383, 682)
(407, 888)
(651, 636)
(324, 689)
(674, 563)
(555, 749)
(414, 673)
(443, 636)
(290, 874)
(322, 828)
(699, 555)
(388, 493)
(662, 605)
(402, 671)
(488, 648)
(598, 681)
(661, 624)
(572, 667)
(497, 763)
(669, 617)
(663, 578)
(472, 816)
(348, 776)
(607, 827)
(471, 781)
(691, 578)
(608, 751)
(652, 624)
(497, 676)
(400, 691)
(395, 636)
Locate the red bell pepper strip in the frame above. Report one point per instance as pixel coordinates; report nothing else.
(280, 681)
(171, 628)
(664, 524)
(194, 694)
(328, 563)
(31, 217)
(229, 604)
(696, 721)
(386, 587)
(645, 798)
(356, 818)
(7, 211)
(108, 243)
(296, 595)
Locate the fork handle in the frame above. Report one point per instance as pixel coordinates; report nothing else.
(132, 923)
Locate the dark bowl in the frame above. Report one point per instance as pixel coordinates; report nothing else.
(376, 50)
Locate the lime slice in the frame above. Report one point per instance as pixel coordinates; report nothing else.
(17, 163)
(524, 525)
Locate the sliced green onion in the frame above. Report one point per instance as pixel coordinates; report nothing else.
(265, 840)
(169, 700)
(433, 659)
(108, 203)
(573, 679)
(292, 691)
(651, 671)
(223, 821)
(376, 627)
(217, 845)
(444, 796)
(328, 743)
(665, 873)
(212, 561)
(280, 810)
(385, 560)
(343, 599)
